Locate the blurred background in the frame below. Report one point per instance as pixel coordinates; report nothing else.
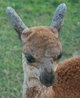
(33, 13)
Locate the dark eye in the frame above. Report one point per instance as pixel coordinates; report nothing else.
(30, 58)
(59, 56)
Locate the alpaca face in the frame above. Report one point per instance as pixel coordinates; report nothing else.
(42, 49)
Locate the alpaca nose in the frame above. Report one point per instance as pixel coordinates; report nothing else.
(48, 79)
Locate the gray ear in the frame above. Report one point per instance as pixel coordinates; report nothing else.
(16, 21)
(58, 17)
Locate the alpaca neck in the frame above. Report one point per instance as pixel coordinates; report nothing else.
(32, 88)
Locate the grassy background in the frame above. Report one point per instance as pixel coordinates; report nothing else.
(33, 13)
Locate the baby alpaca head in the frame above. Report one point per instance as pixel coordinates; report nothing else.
(42, 48)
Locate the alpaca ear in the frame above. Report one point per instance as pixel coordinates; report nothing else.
(58, 17)
(16, 21)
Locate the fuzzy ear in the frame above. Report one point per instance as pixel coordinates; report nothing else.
(58, 17)
(16, 21)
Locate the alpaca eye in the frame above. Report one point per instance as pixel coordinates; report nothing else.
(59, 56)
(30, 58)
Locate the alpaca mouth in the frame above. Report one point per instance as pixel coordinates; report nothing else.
(48, 80)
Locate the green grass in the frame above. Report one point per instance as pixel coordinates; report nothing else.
(33, 13)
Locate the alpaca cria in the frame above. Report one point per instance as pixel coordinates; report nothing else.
(41, 49)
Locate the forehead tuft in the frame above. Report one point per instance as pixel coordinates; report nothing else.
(42, 32)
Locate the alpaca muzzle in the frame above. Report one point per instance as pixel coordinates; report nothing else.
(48, 79)
(47, 72)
